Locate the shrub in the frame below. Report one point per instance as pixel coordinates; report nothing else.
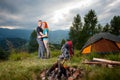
(112, 56)
(93, 55)
(3, 55)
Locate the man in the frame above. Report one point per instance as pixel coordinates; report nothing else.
(41, 48)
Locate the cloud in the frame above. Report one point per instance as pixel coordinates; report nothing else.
(58, 13)
(10, 27)
(108, 11)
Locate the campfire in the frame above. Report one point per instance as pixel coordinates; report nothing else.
(62, 73)
(59, 71)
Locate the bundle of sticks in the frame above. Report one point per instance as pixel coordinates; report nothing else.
(60, 72)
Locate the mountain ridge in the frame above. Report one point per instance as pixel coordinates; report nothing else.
(55, 36)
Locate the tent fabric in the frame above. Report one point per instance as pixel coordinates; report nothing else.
(87, 50)
(104, 46)
(107, 42)
(118, 44)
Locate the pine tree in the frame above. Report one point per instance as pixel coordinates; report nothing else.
(115, 25)
(98, 28)
(90, 20)
(75, 31)
(106, 28)
(33, 45)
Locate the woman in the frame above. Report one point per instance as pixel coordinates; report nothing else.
(45, 38)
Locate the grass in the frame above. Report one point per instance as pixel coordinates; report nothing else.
(23, 69)
(24, 66)
(101, 73)
(28, 67)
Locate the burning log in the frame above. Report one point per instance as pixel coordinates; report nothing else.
(75, 75)
(72, 74)
(43, 74)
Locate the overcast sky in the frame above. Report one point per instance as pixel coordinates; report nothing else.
(24, 14)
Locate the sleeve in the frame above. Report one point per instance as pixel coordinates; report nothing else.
(39, 29)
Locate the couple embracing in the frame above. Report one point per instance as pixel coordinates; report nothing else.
(42, 39)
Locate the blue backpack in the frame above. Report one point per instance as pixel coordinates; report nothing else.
(65, 52)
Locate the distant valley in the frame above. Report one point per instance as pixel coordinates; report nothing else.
(55, 37)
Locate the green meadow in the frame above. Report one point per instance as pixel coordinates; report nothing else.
(24, 66)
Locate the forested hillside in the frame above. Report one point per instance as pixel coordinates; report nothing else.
(9, 43)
